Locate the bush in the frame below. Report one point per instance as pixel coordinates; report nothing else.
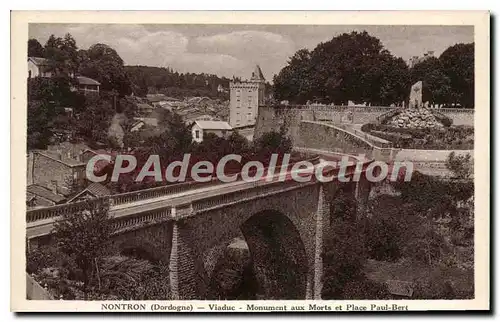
(460, 165)
(383, 238)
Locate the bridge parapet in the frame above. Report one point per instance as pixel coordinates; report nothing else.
(157, 192)
(258, 190)
(56, 211)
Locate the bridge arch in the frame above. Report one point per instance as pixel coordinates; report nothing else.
(278, 254)
(293, 214)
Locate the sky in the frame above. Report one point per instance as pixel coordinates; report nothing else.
(227, 50)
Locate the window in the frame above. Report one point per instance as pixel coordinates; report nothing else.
(29, 73)
(197, 134)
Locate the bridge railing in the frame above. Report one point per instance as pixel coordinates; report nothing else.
(173, 189)
(151, 217)
(56, 211)
(336, 107)
(157, 192)
(128, 197)
(257, 189)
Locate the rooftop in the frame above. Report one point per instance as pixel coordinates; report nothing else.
(96, 189)
(213, 125)
(39, 61)
(43, 192)
(82, 80)
(257, 74)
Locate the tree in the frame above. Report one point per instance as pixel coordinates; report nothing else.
(274, 142)
(352, 66)
(95, 120)
(103, 64)
(35, 49)
(344, 252)
(294, 80)
(62, 55)
(436, 84)
(84, 236)
(458, 65)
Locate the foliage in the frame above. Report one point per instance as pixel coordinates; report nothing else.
(273, 142)
(448, 79)
(35, 49)
(351, 66)
(356, 67)
(94, 121)
(84, 236)
(458, 64)
(40, 117)
(146, 79)
(129, 278)
(344, 253)
(38, 258)
(62, 55)
(103, 64)
(461, 165)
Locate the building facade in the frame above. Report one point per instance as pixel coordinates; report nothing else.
(245, 98)
(417, 59)
(38, 67)
(201, 128)
(55, 171)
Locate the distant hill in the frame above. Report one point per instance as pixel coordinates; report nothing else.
(149, 80)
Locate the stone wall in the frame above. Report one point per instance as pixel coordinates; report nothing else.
(35, 291)
(45, 170)
(271, 118)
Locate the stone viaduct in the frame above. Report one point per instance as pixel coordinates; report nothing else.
(283, 223)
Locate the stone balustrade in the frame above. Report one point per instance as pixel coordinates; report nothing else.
(55, 211)
(157, 192)
(250, 190)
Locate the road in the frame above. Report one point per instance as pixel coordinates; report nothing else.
(44, 227)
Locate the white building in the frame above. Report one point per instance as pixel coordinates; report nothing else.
(245, 98)
(201, 128)
(38, 67)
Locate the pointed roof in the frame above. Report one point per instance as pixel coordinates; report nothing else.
(257, 74)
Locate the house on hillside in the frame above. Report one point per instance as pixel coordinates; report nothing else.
(94, 190)
(191, 118)
(40, 196)
(201, 128)
(88, 85)
(56, 171)
(38, 67)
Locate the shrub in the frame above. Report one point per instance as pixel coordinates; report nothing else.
(460, 165)
(443, 119)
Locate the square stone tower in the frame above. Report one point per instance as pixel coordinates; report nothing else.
(245, 98)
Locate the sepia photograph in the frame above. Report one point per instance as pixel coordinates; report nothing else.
(247, 163)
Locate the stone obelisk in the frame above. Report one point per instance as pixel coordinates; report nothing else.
(416, 95)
